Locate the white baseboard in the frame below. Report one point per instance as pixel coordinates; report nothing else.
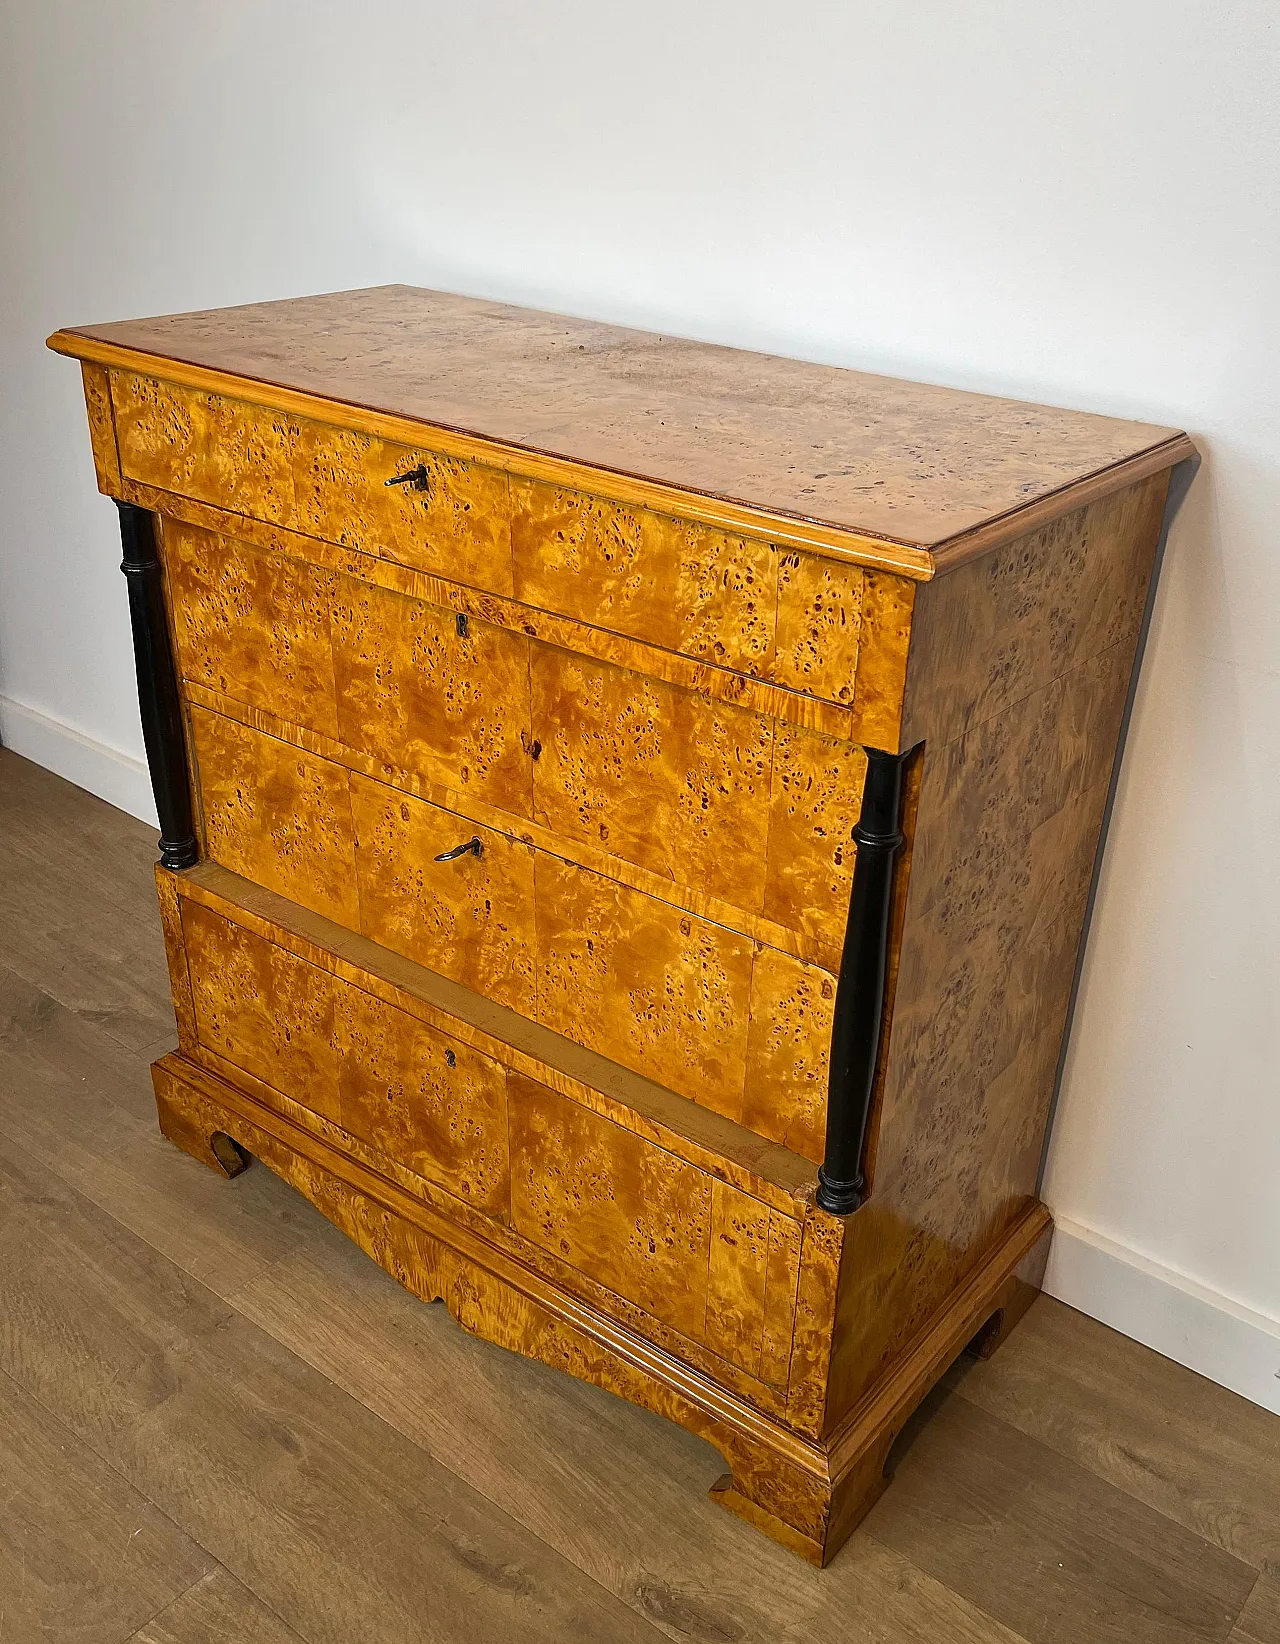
(1187, 1322)
(117, 777)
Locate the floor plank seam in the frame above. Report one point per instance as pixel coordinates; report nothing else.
(401, 1437)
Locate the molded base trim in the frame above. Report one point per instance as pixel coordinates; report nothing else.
(806, 1495)
(1166, 1310)
(117, 777)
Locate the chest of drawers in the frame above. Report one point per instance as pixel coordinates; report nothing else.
(628, 813)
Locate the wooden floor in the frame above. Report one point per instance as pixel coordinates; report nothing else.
(220, 1421)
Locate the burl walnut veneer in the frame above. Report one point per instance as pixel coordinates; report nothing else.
(628, 815)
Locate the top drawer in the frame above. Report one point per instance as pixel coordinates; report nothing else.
(418, 508)
(816, 626)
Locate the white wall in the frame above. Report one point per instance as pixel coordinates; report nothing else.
(1075, 202)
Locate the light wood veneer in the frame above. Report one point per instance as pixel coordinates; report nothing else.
(526, 670)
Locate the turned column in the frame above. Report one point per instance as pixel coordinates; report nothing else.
(859, 1013)
(158, 701)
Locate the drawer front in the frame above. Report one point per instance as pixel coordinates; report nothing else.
(734, 1026)
(434, 1105)
(701, 1256)
(217, 450)
(652, 774)
(263, 1009)
(815, 798)
(718, 799)
(738, 602)
(421, 690)
(393, 677)
(633, 1217)
(252, 625)
(653, 1235)
(277, 815)
(363, 855)
(470, 918)
(713, 797)
(657, 989)
(672, 582)
(452, 518)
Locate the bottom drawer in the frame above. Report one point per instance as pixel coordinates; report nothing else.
(570, 1186)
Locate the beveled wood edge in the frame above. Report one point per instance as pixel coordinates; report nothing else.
(718, 1145)
(822, 954)
(911, 1375)
(723, 1407)
(907, 559)
(723, 513)
(1020, 522)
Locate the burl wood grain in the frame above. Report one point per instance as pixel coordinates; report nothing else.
(819, 625)
(1014, 788)
(751, 1295)
(277, 815)
(717, 1145)
(735, 1026)
(738, 603)
(651, 773)
(430, 1103)
(815, 799)
(757, 1272)
(471, 919)
(416, 692)
(208, 446)
(645, 984)
(102, 431)
(712, 1014)
(704, 679)
(636, 614)
(498, 1296)
(630, 1216)
(635, 1218)
(883, 645)
(453, 520)
(900, 461)
(421, 1098)
(788, 1052)
(263, 1009)
(672, 582)
(991, 632)
(252, 625)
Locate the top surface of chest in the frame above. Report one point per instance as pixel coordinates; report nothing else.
(858, 455)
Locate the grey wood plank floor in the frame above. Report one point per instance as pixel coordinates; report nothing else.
(219, 1421)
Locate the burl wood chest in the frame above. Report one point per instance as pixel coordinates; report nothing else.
(628, 814)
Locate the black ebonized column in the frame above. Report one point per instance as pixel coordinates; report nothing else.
(855, 1036)
(157, 687)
